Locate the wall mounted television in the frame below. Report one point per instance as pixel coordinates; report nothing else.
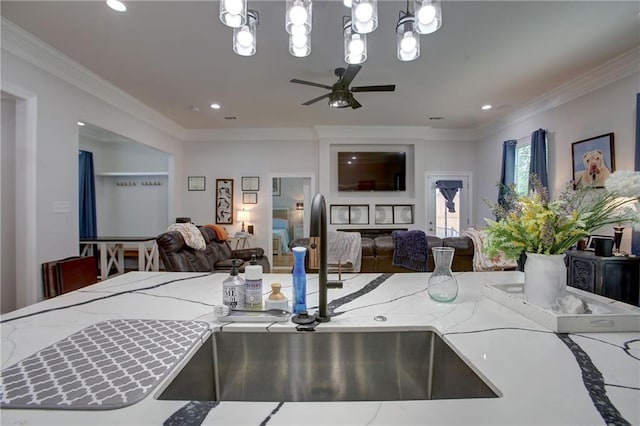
(372, 171)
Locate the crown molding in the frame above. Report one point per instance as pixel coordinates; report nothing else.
(250, 134)
(617, 68)
(26, 46)
(395, 132)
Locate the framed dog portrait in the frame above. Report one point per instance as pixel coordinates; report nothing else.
(593, 161)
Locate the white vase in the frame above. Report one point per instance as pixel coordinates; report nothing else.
(545, 279)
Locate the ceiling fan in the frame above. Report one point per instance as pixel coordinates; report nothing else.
(341, 96)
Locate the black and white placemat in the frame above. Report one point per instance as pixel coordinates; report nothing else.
(108, 365)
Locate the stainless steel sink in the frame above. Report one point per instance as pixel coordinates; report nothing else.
(326, 366)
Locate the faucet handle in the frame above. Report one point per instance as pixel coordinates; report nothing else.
(314, 253)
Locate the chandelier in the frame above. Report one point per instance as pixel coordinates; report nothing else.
(424, 18)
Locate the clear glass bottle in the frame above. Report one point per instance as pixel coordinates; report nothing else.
(299, 302)
(443, 286)
(233, 290)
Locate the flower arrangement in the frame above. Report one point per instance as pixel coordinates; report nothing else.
(536, 224)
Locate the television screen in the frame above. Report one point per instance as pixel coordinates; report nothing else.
(371, 171)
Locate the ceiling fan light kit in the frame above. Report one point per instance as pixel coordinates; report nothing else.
(340, 95)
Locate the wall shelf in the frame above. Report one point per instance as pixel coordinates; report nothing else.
(133, 174)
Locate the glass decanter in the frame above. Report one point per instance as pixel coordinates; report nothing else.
(442, 286)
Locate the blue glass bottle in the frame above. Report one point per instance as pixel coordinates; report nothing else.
(299, 302)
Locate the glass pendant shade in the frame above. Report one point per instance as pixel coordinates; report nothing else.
(233, 13)
(364, 15)
(355, 45)
(347, 3)
(299, 14)
(428, 15)
(408, 40)
(299, 45)
(244, 38)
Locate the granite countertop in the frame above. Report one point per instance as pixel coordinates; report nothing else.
(543, 377)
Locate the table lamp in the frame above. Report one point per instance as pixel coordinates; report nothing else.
(243, 216)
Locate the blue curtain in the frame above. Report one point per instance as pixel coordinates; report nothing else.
(449, 189)
(508, 172)
(635, 241)
(538, 165)
(87, 196)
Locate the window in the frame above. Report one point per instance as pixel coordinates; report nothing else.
(523, 159)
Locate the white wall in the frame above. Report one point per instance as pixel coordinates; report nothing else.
(608, 109)
(60, 105)
(235, 158)
(122, 208)
(8, 201)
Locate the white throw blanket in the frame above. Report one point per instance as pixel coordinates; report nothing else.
(345, 248)
(191, 234)
(482, 262)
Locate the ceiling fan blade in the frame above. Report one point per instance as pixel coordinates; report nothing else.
(355, 104)
(380, 88)
(310, 83)
(314, 100)
(349, 75)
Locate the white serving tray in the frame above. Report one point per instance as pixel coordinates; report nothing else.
(608, 315)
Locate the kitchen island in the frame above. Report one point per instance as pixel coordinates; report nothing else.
(541, 377)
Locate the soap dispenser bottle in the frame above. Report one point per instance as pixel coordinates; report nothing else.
(276, 299)
(233, 289)
(253, 286)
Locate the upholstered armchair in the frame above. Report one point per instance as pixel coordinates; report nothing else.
(177, 256)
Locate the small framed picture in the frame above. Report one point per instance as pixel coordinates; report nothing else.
(249, 198)
(196, 183)
(251, 183)
(384, 214)
(591, 242)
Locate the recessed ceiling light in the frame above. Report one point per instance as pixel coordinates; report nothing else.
(80, 123)
(117, 5)
(215, 106)
(486, 107)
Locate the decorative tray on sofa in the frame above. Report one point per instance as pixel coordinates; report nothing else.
(607, 314)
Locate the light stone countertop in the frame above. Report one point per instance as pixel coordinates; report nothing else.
(543, 377)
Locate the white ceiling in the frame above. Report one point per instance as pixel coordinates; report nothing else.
(175, 54)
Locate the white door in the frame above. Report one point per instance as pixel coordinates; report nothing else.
(440, 221)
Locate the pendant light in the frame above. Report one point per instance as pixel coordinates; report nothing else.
(300, 44)
(233, 13)
(407, 39)
(355, 44)
(298, 16)
(244, 38)
(364, 15)
(428, 14)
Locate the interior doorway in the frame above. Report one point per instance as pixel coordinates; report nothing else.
(448, 206)
(291, 196)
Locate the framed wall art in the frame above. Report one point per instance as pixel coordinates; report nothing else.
(349, 215)
(384, 214)
(403, 214)
(593, 161)
(251, 183)
(196, 183)
(276, 186)
(249, 198)
(224, 201)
